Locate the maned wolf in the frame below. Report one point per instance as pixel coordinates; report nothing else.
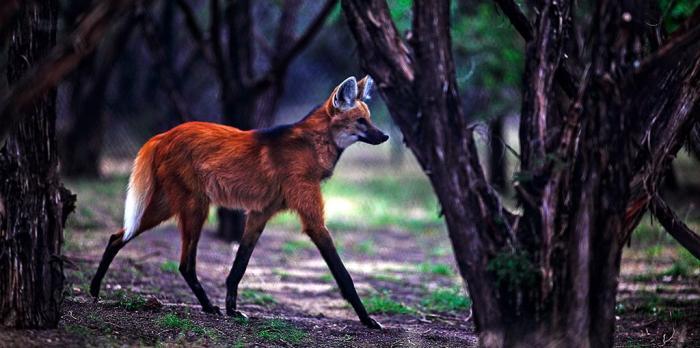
(182, 171)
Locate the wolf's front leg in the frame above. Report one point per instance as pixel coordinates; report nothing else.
(322, 238)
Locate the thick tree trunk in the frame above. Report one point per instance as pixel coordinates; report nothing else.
(547, 277)
(33, 204)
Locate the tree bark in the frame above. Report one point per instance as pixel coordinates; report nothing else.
(547, 277)
(33, 203)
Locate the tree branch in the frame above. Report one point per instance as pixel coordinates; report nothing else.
(62, 60)
(168, 76)
(517, 18)
(675, 226)
(196, 32)
(521, 23)
(284, 59)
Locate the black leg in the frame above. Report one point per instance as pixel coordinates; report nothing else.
(113, 246)
(189, 272)
(324, 243)
(255, 223)
(191, 225)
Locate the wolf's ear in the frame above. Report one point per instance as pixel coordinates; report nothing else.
(364, 88)
(345, 94)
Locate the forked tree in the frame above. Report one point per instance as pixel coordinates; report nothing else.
(607, 104)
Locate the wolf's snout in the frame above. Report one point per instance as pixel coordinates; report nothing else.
(374, 136)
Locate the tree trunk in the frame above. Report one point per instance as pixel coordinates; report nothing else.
(33, 203)
(548, 276)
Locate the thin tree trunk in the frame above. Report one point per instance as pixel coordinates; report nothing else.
(33, 203)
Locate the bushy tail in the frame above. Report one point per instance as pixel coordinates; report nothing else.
(140, 190)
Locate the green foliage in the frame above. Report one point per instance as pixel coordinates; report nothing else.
(382, 303)
(326, 278)
(170, 267)
(402, 13)
(492, 54)
(281, 331)
(436, 268)
(677, 11)
(446, 300)
(684, 265)
(654, 251)
(512, 270)
(258, 297)
(130, 302)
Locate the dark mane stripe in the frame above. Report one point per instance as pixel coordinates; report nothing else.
(277, 132)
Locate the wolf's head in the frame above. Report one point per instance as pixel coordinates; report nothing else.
(350, 116)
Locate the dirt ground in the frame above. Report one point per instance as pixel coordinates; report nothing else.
(289, 294)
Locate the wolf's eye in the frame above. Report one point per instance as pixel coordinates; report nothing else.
(362, 121)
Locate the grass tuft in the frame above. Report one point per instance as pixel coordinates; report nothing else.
(382, 303)
(130, 302)
(446, 300)
(281, 331)
(172, 321)
(436, 268)
(258, 297)
(170, 267)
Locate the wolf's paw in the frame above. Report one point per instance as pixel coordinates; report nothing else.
(372, 324)
(236, 314)
(212, 310)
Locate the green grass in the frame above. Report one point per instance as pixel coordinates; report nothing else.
(382, 303)
(654, 251)
(173, 321)
(326, 278)
(296, 245)
(446, 300)
(128, 301)
(170, 267)
(440, 269)
(387, 277)
(258, 297)
(276, 330)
